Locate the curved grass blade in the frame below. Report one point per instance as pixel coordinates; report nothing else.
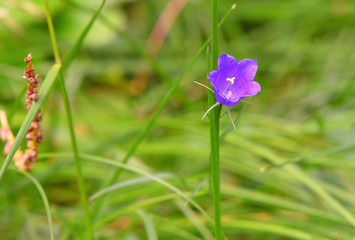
(195, 190)
(111, 216)
(42, 95)
(304, 158)
(79, 42)
(168, 226)
(268, 228)
(302, 177)
(273, 201)
(141, 172)
(129, 183)
(44, 199)
(195, 220)
(134, 170)
(148, 225)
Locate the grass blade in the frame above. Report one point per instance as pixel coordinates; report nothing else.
(148, 225)
(194, 219)
(225, 133)
(268, 228)
(136, 170)
(129, 183)
(199, 185)
(79, 42)
(44, 199)
(302, 177)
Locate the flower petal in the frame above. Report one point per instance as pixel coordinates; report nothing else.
(253, 90)
(247, 69)
(213, 76)
(226, 62)
(226, 66)
(244, 74)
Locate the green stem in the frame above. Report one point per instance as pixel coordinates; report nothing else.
(82, 190)
(81, 185)
(52, 33)
(214, 129)
(44, 199)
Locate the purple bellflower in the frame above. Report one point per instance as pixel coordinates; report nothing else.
(233, 81)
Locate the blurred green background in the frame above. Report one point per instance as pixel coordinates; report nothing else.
(304, 116)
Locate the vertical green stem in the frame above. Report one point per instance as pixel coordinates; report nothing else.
(52, 33)
(214, 129)
(81, 185)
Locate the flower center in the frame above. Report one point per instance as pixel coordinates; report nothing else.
(231, 80)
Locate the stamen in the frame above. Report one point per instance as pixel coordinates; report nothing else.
(231, 80)
(229, 94)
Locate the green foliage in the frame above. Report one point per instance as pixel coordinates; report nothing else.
(286, 173)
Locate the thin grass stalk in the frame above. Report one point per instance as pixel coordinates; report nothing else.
(139, 171)
(81, 185)
(44, 199)
(208, 69)
(160, 108)
(52, 33)
(148, 225)
(214, 129)
(79, 42)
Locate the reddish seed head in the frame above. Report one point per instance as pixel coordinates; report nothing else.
(38, 117)
(34, 96)
(34, 125)
(30, 144)
(36, 79)
(33, 154)
(31, 81)
(34, 136)
(39, 139)
(28, 58)
(29, 136)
